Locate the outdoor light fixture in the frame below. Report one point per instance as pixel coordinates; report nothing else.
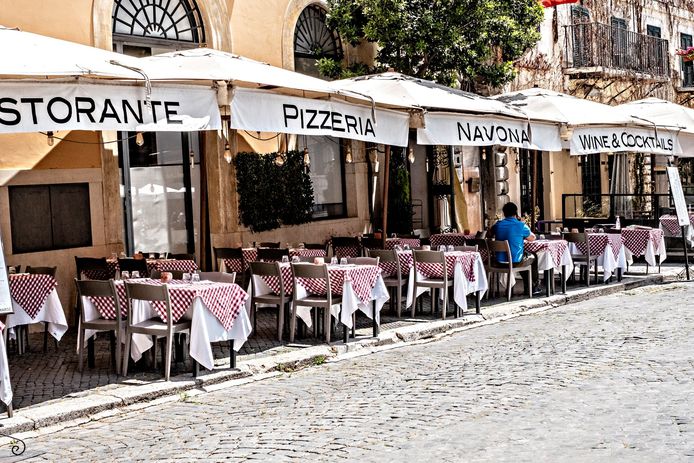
(348, 153)
(307, 158)
(139, 139)
(279, 160)
(227, 153)
(410, 155)
(49, 138)
(191, 156)
(373, 157)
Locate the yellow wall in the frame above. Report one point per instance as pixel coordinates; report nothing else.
(67, 20)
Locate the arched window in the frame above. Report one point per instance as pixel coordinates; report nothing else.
(177, 20)
(313, 40)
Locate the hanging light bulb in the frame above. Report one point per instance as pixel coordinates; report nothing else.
(348, 153)
(49, 138)
(410, 155)
(279, 160)
(227, 153)
(307, 158)
(139, 139)
(191, 156)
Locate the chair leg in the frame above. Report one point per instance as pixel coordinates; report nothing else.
(444, 305)
(80, 349)
(326, 323)
(478, 303)
(117, 352)
(169, 352)
(280, 321)
(587, 274)
(126, 354)
(45, 338)
(112, 342)
(596, 272)
(398, 298)
(232, 354)
(530, 283)
(91, 363)
(509, 289)
(154, 352)
(292, 323)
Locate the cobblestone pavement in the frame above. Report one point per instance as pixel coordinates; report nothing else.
(610, 379)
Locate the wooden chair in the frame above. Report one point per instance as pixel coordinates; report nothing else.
(482, 248)
(465, 248)
(480, 235)
(183, 256)
(341, 243)
(272, 254)
(105, 289)
(152, 327)
(96, 268)
(442, 284)
(175, 274)
(318, 272)
(498, 268)
(51, 271)
(371, 243)
(134, 265)
(218, 277)
(584, 261)
(230, 253)
(363, 261)
(14, 269)
(394, 282)
(268, 269)
(306, 259)
(314, 246)
(269, 244)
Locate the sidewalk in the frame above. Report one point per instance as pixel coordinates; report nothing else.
(49, 390)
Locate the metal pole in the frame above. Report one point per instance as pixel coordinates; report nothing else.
(686, 256)
(386, 179)
(533, 203)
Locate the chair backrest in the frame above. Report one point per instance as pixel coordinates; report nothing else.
(42, 270)
(130, 265)
(219, 277)
(306, 259)
(465, 248)
(266, 269)
(148, 292)
(181, 256)
(152, 255)
(97, 288)
(311, 271)
(344, 241)
(410, 237)
(96, 266)
(480, 235)
(363, 260)
(384, 255)
(269, 244)
(226, 253)
(428, 257)
(314, 246)
(272, 254)
(372, 243)
(499, 246)
(576, 237)
(175, 274)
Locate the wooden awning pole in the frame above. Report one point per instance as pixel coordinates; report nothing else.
(386, 178)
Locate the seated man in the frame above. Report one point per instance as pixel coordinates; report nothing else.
(513, 230)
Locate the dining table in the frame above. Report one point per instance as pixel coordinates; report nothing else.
(609, 250)
(552, 255)
(671, 228)
(361, 286)
(465, 268)
(251, 255)
(35, 300)
(450, 239)
(644, 241)
(214, 309)
(161, 265)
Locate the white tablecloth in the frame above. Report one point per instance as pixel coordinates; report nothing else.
(606, 260)
(205, 329)
(51, 312)
(649, 254)
(461, 285)
(350, 302)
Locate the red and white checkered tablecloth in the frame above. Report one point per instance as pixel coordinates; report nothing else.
(411, 242)
(449, 239)
(223, 300)
(672, 225)
(167, 265)
(274, 282)
(598, 242)
(556, 248)
(636, 239)
(466, 260)
(363, 278)
(301, 252)
(346, 251)
(31, 291)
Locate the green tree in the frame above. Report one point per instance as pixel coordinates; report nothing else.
(461, 43)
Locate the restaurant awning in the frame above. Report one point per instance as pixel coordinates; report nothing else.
(452, 116)
(270, 99)
(588, 127)
(665, 113)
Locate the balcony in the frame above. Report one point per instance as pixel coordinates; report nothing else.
(594, 49)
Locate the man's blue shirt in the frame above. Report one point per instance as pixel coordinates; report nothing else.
(514, 231)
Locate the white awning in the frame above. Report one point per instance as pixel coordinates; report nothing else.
(42, 107)
(267, 112)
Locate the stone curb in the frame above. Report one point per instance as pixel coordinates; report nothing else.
(88, 405)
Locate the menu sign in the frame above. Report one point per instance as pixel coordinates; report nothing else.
(678, 196)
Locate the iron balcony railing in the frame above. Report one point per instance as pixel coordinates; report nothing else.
(595, 45)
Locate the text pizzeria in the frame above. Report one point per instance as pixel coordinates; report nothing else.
(84, 109)
(314, 119)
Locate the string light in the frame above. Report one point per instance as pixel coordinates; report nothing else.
(139, 139)
(227, 153)
(348, 153)
(49, 138)
(307, 158)
(410, 155)
(191, 156)
(279, 160)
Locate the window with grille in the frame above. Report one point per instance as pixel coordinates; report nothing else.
(313, 40)
(687, 66)
(177, 20)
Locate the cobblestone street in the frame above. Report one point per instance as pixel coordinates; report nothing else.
(607, 379)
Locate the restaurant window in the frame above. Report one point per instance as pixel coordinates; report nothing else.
(582, 37)
(313, 40)
(48, 217)
(687, 66)
(177, 20)
(327, 177)
(591, 181)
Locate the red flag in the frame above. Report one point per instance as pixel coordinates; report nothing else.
(551, 3)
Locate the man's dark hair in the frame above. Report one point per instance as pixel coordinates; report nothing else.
(510, 210)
